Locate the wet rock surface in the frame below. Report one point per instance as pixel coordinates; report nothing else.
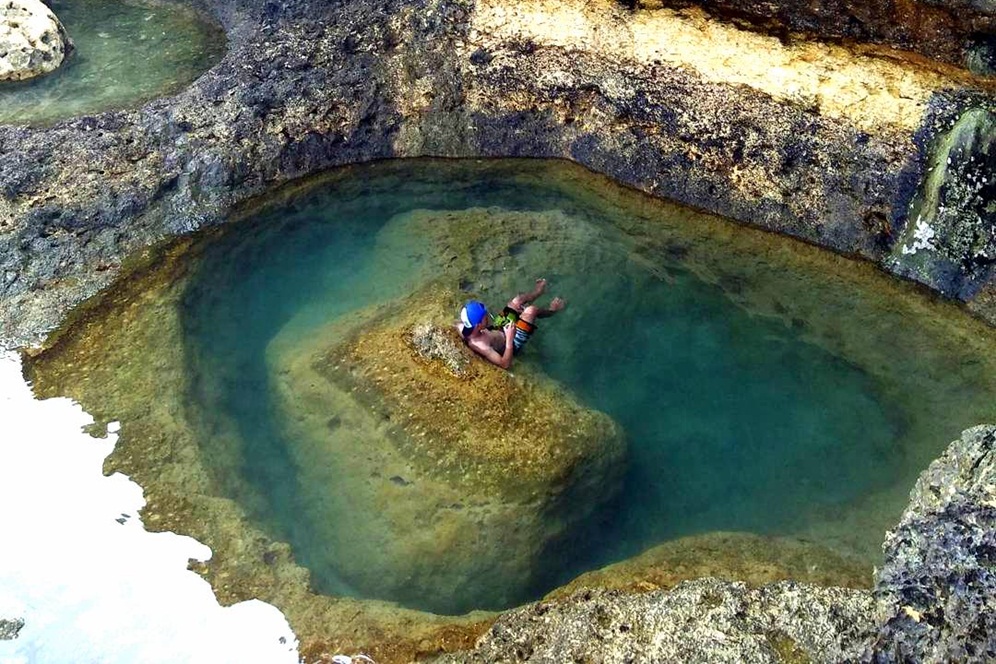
(950, 241)
(32, 40)
(439, 489)
(307, 86)
(937, 588)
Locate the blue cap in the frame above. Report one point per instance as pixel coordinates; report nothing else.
(473, 313)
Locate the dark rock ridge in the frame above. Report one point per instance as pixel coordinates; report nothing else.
(934, 599)
(310, 85)
(953, 31)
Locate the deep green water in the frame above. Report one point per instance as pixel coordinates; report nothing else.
(763, 385)
(127, 52)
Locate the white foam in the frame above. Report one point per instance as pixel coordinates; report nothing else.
(88, 587)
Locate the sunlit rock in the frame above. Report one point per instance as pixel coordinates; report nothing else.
(432, 477)
(706, 620)
(955, 31)
(732, 556)
(32, 40)
(938, 585)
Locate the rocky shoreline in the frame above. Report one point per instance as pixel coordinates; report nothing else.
(933, 600)
(307, 86)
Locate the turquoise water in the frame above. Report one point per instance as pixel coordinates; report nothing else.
(762, 385)
(126, 53)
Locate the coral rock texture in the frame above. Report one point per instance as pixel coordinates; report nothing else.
(32, 40)
(938, 584)
(706, 620)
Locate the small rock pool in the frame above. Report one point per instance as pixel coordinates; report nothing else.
(127, 52)
(759, 384)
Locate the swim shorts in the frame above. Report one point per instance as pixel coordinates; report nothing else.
(523, 329)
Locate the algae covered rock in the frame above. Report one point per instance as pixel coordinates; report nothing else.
(937, 589)
(950, 242)
(706, 620)
(430, 477)
(32, 40)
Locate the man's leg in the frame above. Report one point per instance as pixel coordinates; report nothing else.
(519, 302)
(532, 312)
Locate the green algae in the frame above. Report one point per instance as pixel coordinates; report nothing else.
(951, 238)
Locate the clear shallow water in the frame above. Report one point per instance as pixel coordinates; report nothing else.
(763, 386)
(126, 53)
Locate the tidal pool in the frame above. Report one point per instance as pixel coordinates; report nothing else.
(762, 385)
(127, 52)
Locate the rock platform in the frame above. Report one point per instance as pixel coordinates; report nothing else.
(441, 480)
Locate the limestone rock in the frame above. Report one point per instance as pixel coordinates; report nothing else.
(706, 620)
(430, 482)
(32, 40)
(938, 584)
(954, 31)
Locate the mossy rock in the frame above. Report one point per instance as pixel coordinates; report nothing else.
(434, 478)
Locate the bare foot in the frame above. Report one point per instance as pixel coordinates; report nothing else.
(522, 299)
(557, 304)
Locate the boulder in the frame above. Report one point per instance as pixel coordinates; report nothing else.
(937, 588)
(32, 40)
(430, 477)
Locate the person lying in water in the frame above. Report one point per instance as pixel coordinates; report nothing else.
(497, 339)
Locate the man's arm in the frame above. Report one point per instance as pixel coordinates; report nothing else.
(503, 360)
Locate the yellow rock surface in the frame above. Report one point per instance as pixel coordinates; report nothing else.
(432, 480)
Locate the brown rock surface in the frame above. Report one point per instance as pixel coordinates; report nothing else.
(430, 485)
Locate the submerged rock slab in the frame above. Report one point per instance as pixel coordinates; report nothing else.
(938, 584)
(753, 559)
(433, 478)
(32, 40)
